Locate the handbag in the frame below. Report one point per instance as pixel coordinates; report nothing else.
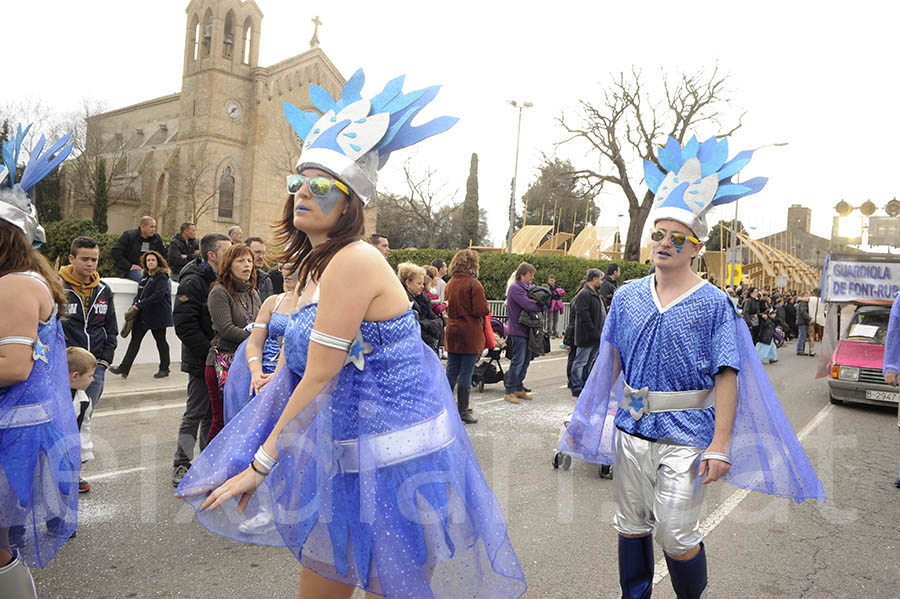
(489, 341)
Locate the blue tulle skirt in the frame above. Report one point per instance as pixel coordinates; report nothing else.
(377, 483)
(40, 455)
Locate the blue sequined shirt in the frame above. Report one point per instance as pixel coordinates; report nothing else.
(677, 348)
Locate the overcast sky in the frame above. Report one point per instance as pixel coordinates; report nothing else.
(821, 76)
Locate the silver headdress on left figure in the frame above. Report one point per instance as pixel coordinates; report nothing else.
(16, 202)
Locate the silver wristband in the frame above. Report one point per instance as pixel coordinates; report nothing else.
(264, 459)
(253, 359)
(714, 455)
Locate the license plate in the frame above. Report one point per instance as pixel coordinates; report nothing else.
(883, 396)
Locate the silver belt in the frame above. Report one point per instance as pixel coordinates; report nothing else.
(394, 447)
(24, 415)
(643, 401)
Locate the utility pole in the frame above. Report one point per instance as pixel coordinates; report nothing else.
(512, 193)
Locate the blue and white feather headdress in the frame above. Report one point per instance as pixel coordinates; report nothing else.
(16, 205)
(697, 178)
(354, 137)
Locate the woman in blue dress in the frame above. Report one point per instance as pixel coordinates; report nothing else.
(363, 464)
(257, 358)
(40, 456)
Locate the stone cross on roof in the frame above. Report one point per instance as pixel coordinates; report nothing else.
(314, 42)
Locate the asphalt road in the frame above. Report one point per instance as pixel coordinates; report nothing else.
(136, 540)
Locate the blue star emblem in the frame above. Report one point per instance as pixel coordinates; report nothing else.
(358, 350)
(635, 402)
(40, 351)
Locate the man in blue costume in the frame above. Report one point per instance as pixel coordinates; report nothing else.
(891, 366)
(693, 402)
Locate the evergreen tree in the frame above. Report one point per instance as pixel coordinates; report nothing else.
(556, 198)
(4, 131)
(470, 213)
(714, 243)
(101, 198)
(47, 197)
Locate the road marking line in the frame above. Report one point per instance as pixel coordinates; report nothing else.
(728, 506)
(114, 473)
(165, 406)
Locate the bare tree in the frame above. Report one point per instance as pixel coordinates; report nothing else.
(422, 203)
(628, 125)
(95, 142)
(193, 177)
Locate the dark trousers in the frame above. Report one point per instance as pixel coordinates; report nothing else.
(569, 361)
(520, 356)
(195, 421)
(137, 335)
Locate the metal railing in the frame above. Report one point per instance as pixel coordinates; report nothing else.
(498, 309)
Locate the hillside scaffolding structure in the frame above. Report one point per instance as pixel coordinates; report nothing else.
(764, 263)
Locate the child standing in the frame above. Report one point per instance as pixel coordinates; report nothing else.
(82, 364)
(765, 346)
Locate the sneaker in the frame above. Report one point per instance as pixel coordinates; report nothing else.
(524, 395)
(161, 374)
(83, 485)
(511, 398)
(467, 417)
(178, 474)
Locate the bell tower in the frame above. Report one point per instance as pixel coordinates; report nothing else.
(218, 108)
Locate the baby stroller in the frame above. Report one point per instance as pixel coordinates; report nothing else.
(490, 370)
(564, 460)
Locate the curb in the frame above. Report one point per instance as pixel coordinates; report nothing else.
(132, 399)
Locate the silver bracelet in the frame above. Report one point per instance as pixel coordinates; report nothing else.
(252, 359)
(264, 459)
(260, 325)
(714, 455)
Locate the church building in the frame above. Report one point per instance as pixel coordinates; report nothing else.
(217, 152)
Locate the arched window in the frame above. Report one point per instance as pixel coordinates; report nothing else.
(226, 194)
(228, 42)
(195, 37)
(248, 38)
(207, 31)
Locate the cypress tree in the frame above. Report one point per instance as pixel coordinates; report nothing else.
(470, 205)
(101, 198)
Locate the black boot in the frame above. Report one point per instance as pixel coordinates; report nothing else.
(636, 567)
(689, 577)
(462, 403)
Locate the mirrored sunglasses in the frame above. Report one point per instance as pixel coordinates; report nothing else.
(319, 185)
(677, 239)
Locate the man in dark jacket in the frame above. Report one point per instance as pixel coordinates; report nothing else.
(264, 286)
(589, 312)
(91, 325)
(194, 327)
(183, 248)
(610, 284)
(126, 251)
(790, 314)
(803, 320)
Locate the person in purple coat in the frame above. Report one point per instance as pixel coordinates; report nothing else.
(517, 300)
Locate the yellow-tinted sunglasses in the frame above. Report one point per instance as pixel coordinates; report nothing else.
(319, 185)
(677, 239)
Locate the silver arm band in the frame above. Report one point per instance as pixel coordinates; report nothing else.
(260, 325)
(17, 341)
(330, 340)
(714, 455)
(253, 359)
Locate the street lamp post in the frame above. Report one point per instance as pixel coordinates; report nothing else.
(512, 193)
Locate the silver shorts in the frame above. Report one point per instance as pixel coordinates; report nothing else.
(658, 491)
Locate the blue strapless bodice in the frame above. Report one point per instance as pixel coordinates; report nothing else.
(277, 324)
(390, 378)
